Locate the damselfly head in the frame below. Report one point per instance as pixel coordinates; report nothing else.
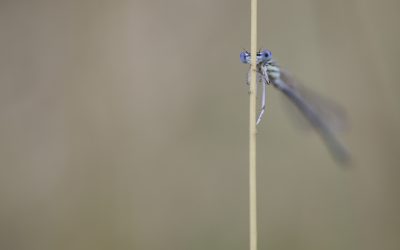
(262, 56)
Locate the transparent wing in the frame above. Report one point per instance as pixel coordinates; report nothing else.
(313, 114)
(331, 112)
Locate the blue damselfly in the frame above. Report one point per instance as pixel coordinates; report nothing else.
(269, 73)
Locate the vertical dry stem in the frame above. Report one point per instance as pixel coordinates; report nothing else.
(253, 130)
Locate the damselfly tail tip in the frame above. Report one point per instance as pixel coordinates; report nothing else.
(340, 153)
(344, 159)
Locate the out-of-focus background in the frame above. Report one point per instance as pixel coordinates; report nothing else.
(124, 125)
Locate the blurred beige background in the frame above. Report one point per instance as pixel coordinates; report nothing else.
(124, 125)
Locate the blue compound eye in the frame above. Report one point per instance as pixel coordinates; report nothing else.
(266, 54)
(244, 57)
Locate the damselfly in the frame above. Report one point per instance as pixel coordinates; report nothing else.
(269, 73)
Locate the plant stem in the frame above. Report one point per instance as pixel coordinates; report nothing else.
(253, 130)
